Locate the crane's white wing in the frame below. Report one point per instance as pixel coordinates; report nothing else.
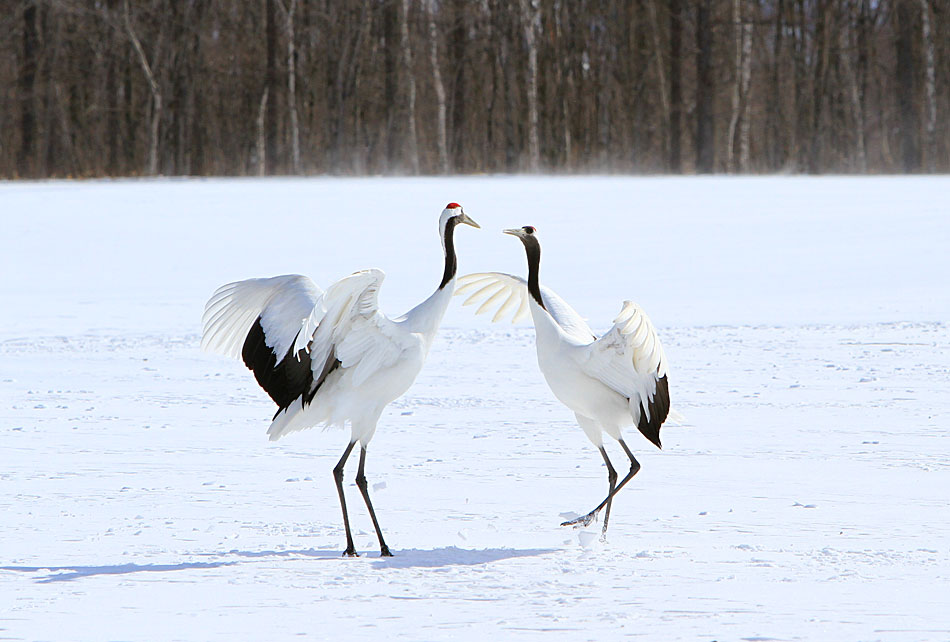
(630, 360)
(510, 292)
(286, 306)
(355, 332)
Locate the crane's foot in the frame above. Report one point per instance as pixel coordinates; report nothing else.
(350, 552)
(583, 520)
(385, 552)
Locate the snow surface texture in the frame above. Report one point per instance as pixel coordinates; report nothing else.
(806, 498)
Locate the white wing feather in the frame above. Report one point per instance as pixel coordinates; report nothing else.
(284, 303)
(490, 288)
(354, 330)
(629, 358)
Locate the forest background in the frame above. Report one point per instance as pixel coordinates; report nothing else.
(226, 87)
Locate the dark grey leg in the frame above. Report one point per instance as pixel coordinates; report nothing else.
(589, 517)
(361, 483)
(612, 481)
(338, 478)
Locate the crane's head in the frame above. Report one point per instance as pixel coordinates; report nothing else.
(522, 233)
(454, 212)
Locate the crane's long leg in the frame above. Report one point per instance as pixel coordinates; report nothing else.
(361, 483)
(338, 478)
(612, 480)
(589, 517)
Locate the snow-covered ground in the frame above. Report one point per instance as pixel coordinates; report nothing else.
(806, 497)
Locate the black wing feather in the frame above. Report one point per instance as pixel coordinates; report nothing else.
(659, 410)
(283, 381)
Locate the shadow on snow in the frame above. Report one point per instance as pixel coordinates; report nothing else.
(452, 556)
(409, 558)
(68, 573)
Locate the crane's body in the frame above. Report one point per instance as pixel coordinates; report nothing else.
(348, 396)
(330, 358)
(609, 382)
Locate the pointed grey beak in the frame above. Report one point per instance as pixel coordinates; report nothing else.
(516, 231)
(463, 218)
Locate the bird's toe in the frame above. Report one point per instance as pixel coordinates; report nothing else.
(581, 521)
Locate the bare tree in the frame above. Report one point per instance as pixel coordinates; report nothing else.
(854, 93)
(261, 135)
(26, 86)
(151, 167)
(773, 117)
(271, 87)
(740, 89)
(531, 22)
(705, 125)
(439, 87)
(745, 122)
(676, 82)
(407, 73)
(292, 83)
(822, 29)
(904, 45)
(660, 72)
(930, 87)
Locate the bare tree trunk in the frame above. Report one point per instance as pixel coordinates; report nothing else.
(854, 92)
(531, 21)
(199, 124)
(740, 86)
(270, 82)
(705, 125)
(458, 59)
(676, 95)
(439, 88)
(661, 76)
(292, 88)
(261, 136)
(822, 28)
(773, 103)
(565, 81)
(798, 159)
(389, 17)
(27, 83)
(930, 89)
(745, 122)
(410, 77)
(512, 117)
(491, 136)
(153, 140)
(910, 153)
(112, 109)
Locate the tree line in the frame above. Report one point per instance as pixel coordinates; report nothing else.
(232, 87)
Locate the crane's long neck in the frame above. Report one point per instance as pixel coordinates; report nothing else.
(448, 244)
(426, 317)
(533, 249)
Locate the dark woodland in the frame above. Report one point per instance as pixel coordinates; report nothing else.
(261, 87)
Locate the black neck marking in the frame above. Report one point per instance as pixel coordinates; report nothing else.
(451, 263)
(533, 249)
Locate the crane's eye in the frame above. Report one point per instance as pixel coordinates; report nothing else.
(528, 229)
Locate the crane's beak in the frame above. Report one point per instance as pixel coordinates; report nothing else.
(463, 218)
(515, 231)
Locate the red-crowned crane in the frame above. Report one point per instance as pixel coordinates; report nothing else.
(610, 383)
(331, 357)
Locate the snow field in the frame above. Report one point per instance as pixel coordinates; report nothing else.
(805, 498)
